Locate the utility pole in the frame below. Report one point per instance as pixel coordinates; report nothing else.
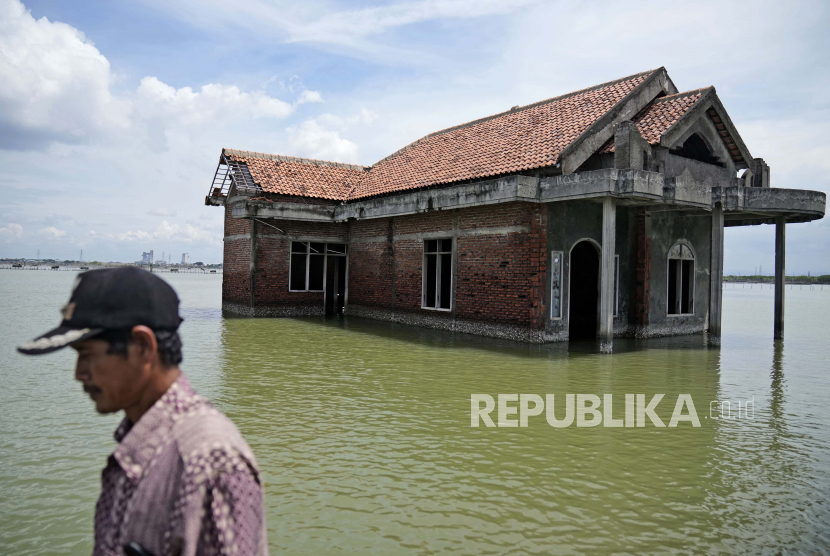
(82, 255)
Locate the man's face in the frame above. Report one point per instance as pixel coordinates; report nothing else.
(114, 382)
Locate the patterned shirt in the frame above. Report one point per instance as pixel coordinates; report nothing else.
(182, 481)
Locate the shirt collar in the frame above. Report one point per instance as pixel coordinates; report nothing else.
(138, 442)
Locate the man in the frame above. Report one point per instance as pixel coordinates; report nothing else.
(182, 479)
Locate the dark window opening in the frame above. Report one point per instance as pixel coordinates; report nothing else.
(308, 264)
(437, 287)
(681, 280)
(695, 148)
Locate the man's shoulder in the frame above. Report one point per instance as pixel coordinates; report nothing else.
(209, 442)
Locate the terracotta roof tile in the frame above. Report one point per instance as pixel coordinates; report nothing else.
(521, 139)
(656, 118)
(299, 176)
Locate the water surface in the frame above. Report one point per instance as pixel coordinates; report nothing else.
(362, 431)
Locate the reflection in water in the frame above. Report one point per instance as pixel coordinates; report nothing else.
(362, 431)
(776, 401)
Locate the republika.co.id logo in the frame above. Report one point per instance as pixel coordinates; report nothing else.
(586, 410)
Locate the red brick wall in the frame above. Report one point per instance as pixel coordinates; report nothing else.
(501, 277)
(370, 263)
(273, 260)
(236, 273)
(409, 258)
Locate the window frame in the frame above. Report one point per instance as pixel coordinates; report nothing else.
(308, 254)
(553, 255)
(693, 279)
(438, 263)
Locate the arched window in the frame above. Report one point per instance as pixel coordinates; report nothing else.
(681, 294)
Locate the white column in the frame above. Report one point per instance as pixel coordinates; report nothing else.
(606, 296)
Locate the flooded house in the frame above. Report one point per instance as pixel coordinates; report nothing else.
(595, 214)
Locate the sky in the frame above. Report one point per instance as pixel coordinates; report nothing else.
(113, 114)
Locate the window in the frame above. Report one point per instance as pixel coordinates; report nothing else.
(556, 284)
(681, 295)
(437, 285)
(308, 265)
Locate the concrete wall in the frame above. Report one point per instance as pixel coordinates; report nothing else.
(667, 228)
(572, 221)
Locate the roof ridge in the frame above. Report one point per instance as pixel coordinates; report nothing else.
(519, 109)
(281, 158)
(684, 94)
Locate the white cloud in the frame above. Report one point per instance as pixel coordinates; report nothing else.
(51, 232)
(317, 22)
(312, 140)
(11, 231)
(55, 83)
(309, 96)
(56, 87)
(348, 27)
(212, 102)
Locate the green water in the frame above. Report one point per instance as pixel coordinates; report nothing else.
(362, 430)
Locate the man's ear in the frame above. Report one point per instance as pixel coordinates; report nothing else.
(144, 340)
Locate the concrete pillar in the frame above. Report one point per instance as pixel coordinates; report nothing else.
(606, 290)
(778, 328)
(716, 275)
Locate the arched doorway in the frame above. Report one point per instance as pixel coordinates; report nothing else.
(584, 292)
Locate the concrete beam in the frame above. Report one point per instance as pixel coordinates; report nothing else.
(771, 200)
(716, 276)
(780, 244)
(636, 184)
(307, 212)
(486, 192)
(606, 295)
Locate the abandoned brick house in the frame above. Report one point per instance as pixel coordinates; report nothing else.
(596, 214)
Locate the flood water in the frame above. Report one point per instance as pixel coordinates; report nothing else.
(362, 431)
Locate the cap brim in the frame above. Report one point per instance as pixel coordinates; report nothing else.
(56, 339)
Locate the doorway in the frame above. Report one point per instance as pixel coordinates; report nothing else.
(583, 313)
(335, 284)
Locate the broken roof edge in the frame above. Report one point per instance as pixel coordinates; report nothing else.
(281, 158)
(525, 107)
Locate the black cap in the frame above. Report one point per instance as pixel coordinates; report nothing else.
(110, 299)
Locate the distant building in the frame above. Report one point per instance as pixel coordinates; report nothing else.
(185, 258)
(147, 258)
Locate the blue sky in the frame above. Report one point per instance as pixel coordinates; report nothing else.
(113, 114)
